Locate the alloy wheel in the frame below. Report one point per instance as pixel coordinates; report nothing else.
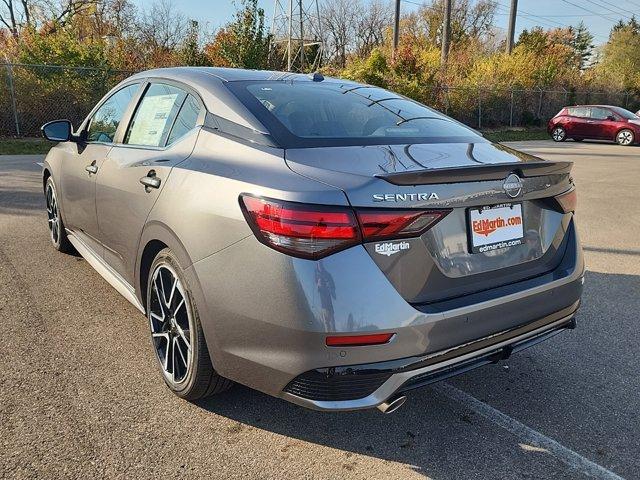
(52, 214)
(625, 137)
(171, 324)
(558, 134)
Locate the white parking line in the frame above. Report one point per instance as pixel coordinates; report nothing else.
(39, 163)
(528, 435)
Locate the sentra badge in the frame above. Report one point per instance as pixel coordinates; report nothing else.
(404, 197)
(389, 248)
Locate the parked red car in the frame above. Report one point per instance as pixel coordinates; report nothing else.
(602, 122)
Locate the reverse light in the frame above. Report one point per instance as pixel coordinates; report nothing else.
(315, 231)
(568, 201)
(359, 340)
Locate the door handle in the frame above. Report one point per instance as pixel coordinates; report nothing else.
(150, 181)
(93, 168)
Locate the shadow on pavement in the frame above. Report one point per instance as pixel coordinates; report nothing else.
(14, 201)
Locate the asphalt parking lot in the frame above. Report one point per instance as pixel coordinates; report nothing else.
(80, 396)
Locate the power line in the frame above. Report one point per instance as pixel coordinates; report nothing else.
(526, 16)
(587, 10)
(607, 8)
(563, 16)
(546, 20)
(553, 23)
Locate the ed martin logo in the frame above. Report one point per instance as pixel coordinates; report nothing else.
(389, 248)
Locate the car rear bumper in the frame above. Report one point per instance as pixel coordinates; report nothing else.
(411, 373)
(266, 317)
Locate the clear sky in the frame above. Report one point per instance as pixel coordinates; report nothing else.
(598, 15)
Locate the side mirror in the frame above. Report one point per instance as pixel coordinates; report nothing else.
(611, 117)
(57, 131)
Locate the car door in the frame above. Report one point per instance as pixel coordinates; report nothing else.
(80, 169)
(577, 125)
(597, 123)
(161, 134)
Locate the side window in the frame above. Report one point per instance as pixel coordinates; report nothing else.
(186, 120)
(104, 123)
(155, 115)
(582, 112)
(598, 113)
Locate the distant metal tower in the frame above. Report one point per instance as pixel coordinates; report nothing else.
(296, 34)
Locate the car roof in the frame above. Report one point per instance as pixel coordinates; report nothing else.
(233, 74)
(602, 106)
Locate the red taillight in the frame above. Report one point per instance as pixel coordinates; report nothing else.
(387, 224)
(314, 231)
(568, 201)
(308, 231)
(359, 340)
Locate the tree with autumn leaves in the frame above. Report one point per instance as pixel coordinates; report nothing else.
(117, 35)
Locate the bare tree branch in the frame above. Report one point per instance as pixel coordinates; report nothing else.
(340, 22)
(13, 26)
(163, 26)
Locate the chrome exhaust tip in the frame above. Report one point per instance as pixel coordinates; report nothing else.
(392, 405)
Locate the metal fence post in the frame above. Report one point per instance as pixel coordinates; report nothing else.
(446, 100)
(13, 97)
(479, 109)
(540, 104)
(511, 110)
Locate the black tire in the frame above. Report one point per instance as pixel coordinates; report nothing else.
(200, 379)
(57, 232)
(625, 137)
(558, 134)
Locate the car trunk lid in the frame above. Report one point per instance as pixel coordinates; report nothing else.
(477, 182)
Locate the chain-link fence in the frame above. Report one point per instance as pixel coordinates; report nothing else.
(31, 95)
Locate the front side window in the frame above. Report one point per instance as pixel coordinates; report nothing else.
(155, 115)
(314, 114)
(104, 123)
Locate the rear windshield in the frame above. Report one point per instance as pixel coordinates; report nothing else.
(624, 113)
(307, 114)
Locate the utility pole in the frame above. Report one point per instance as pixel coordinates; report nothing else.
(396, 27)
(446, 33)
(512, 25)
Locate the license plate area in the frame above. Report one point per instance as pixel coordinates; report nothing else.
(495, 227)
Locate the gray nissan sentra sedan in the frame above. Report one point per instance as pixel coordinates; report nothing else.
(330, 243)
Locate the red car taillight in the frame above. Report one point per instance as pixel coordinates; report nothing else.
(307, 231)
(314, 231)
(358, 340)
(388, 224)
(568, 201)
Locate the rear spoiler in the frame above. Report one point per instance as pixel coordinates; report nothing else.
(477, 173)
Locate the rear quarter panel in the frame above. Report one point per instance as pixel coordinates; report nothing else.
(200, 202)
